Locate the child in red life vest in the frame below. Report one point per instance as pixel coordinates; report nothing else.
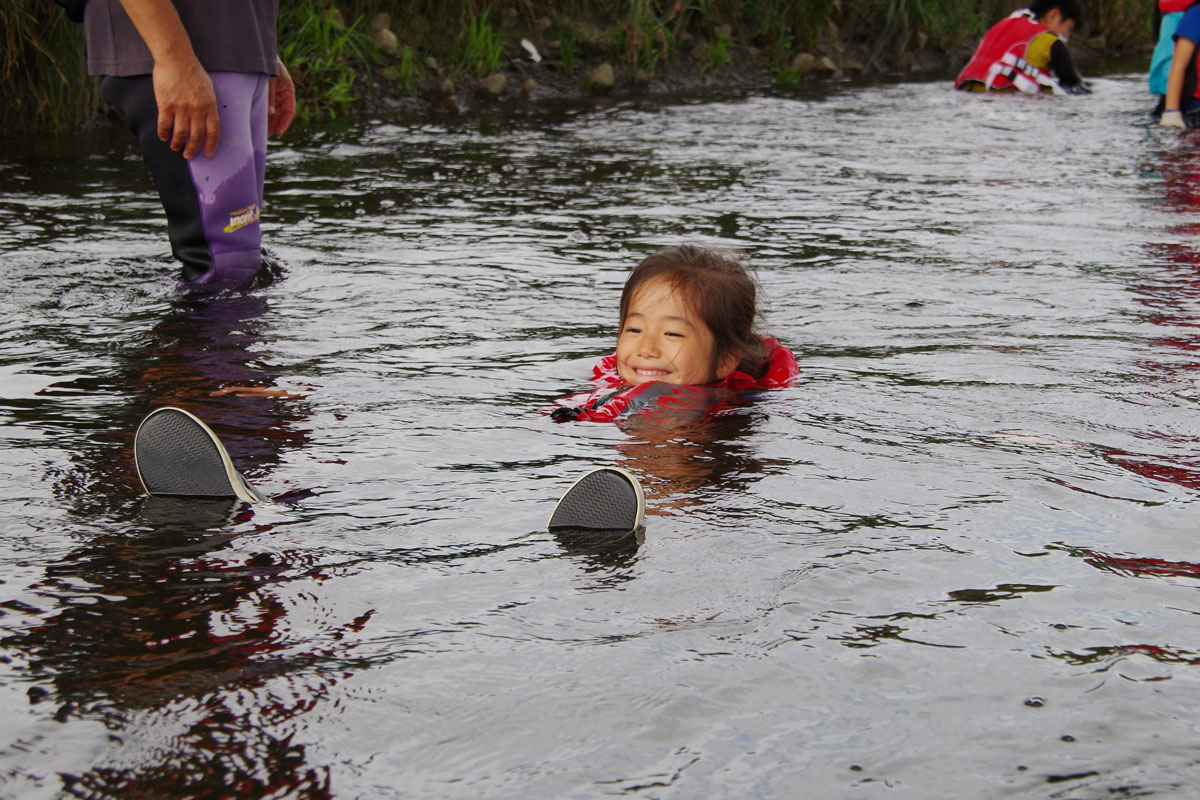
(687, 344)
(1027, 52)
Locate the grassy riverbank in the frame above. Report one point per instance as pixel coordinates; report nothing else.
(446, 54)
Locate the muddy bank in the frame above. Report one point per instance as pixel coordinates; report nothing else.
(538, 68)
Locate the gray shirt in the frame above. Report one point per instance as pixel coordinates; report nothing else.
(227, 35)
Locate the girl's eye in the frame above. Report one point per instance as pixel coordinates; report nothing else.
(673, 333)
(632, 329)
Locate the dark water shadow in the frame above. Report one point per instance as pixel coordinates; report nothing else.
(601, 550)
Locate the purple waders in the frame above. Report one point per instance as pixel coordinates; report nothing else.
(212, 204)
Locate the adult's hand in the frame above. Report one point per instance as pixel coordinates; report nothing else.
(187, 105)
(187, 108)
(281, 101)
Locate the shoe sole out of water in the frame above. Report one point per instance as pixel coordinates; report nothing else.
(606, 498)
(177, 455)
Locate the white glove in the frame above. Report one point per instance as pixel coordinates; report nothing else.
(1171, 119)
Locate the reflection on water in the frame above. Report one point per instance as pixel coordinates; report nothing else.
(957, 549)
(678, 464)
(178, 632)
(161, 619)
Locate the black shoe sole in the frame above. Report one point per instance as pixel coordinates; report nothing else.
(177, 455)
(607, 498)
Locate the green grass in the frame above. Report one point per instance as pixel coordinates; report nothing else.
(716, 53)
(324, 56)
(479, 48)
(566, 44)
(408, 68)
(643, 37)
(787, 78)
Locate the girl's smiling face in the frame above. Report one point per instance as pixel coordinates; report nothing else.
(661, 339)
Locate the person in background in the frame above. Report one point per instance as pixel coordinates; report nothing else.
(1167, 14)
(1181, 105)
(200, 85)
(1027, 52)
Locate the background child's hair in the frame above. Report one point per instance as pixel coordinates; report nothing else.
(719, 289)
(1070, 9)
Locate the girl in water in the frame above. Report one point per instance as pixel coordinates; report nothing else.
(687, 343)
(686, 348)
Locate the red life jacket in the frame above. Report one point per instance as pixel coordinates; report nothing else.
(999, 60)
(613, 399)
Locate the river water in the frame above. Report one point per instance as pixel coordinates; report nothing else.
(957, 559)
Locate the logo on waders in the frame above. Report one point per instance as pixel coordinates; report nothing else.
(242, 217)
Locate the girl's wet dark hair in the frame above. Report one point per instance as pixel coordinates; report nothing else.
(719, 289)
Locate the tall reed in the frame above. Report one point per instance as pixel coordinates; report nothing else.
(44, 72)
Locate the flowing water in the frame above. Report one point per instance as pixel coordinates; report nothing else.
(957, 559)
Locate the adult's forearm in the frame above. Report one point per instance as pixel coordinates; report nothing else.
(160, 27)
